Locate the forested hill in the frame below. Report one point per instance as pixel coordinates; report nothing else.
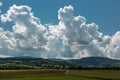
(32, 63)
(40, 63)
(95, 61)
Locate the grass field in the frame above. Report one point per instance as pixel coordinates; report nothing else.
(59, 74)
(53, 78)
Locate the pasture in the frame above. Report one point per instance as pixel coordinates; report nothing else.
(57, 74)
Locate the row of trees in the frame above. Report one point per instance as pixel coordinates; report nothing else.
(45, 66)
(95, 68)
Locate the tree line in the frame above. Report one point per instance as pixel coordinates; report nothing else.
(45, 66)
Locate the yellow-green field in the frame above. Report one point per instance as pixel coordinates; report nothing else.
(59, 74)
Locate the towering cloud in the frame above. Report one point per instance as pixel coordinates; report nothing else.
(112, 49)
(72, 37)
(79, 39)
(28, 36)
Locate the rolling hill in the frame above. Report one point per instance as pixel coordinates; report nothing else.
(40, 63)
(95, 61)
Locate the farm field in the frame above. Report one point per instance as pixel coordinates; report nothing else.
(59, 74)
(53, 78)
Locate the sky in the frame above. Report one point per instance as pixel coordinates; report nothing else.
(60, 28)
(103, 13)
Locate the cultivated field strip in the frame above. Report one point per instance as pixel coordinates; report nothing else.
(46, 73)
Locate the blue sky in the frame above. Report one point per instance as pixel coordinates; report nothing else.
(75, 28)
(105, 13)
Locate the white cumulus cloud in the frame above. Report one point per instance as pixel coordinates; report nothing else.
(79, 38)
(1, 4)
(29, 34)
(72, 37)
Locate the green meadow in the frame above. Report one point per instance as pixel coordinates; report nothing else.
(50, 74)
(53, 78)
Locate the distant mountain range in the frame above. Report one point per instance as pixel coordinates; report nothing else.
(95, 61)
(29, 62)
